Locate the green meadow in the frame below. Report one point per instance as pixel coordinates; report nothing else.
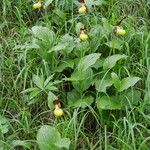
(75, 75)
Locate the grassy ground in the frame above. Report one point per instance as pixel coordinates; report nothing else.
(40, 44)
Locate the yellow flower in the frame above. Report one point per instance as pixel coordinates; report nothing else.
(58, 111)
(37, 5)
(120, 31)
(83, 36)
(82, 10)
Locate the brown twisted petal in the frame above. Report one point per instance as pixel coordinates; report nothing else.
(57, 102)
(81, 1)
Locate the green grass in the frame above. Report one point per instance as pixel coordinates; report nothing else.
(95, 117)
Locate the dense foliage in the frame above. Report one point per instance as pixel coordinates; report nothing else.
(75, 75)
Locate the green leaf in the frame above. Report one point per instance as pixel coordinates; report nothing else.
(51, 97)
(29, 90)
(73, 96)
(24, 144)
(58, 47)
(48, 80)
(47, 3)
(43, 33)
(65, 142)
(32, 46)
(98, 64)
(128, 82)
(61, 14)
(88, 61)
(38, 81)
(107, 27)
(101, 85)
(49, 138)
(107, 103)
(84, 102)
(111, 61)
(64, 64)
(116, 80)
(4, 125)
(115, 44)
(130, 98)
(34, 93)
(81, 48)
(33, 101)
(147, 100)
(50, 87)
(95, 31)
(82, 79)
(69, 42)
(65, 45)
(99, 2)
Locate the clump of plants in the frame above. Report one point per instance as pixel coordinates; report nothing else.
(81, 66)
(89, 63)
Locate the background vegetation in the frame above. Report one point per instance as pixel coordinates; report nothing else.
(103, 83)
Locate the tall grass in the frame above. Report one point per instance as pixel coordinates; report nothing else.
(86, 128)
